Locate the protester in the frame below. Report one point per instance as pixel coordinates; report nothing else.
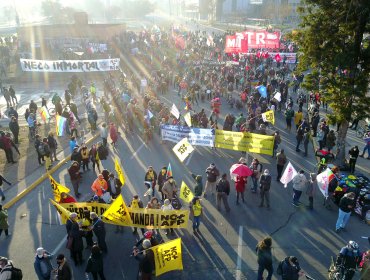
(150, 180)
(299, 184)
(170, 188)
(113, 133)
(53, 145)
(256, 167)
(114, 186)
(74, 239)
(95, 264)
(198, 188)
(280, 163)
(104, 134)
(212, 174)
(4, 225)
(42, 264)
(94, 157)
(346, 205)
(366, 148)
(86, 228)
(1, 185)
(146, 261)
(162, 177)
(47, 153)
(311, 190)
(264, 258)
(265, 185)
(165, 207)
(85, 156)
(365, 266)
(291, 269)
(240, 183)
(66, 198)
(64, 271)
(99, 186)
(75, 176)
(353, 155)
(5, 269)
(14, 128)
(223, 191)
(99, 231)
(197, 210)
(6, 144)
(349, 257)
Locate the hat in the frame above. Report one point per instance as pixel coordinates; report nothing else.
(293, 259)
(166, 201)
(266, 172)
(40, 252)
(147, 244)
(100, 176)
(60, 257)
(95, 198)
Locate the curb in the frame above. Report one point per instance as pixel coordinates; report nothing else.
(41, 179)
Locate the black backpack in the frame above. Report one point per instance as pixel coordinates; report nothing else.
(16, 274)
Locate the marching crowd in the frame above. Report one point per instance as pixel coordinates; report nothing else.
(199, 72)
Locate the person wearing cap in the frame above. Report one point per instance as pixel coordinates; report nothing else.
(99, 186)
(95, 264)
(299, 184)
(291, 269)
(75, 176)
(4, 225)
(64, 271)
(167, 206)
(5, 269)
(146, 260)
(170, 188)
(74, 238)
(162, 177)
(265, 185)
(136, 203)
(223, 191)
(98, 228)
(212, 174)
(42, 264)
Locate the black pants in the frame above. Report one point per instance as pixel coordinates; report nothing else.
(105, 141)
(6, 232)
(76, 256)
(85, 164)
(352, 164)
(40, 157)
(15, 135)
(101, 275)
(9, 155)
(101, 243)
(310, 200)
(279, 171)
(239, 194)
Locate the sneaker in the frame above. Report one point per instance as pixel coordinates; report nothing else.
(337, 230)
(295, 205)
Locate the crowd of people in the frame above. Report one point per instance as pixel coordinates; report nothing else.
(202, 75)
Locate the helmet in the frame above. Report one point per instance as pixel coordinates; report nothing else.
(147, 244)
(353, 245)
(148, 234)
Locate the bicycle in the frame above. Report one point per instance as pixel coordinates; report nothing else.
(338, 272)
(361, 131)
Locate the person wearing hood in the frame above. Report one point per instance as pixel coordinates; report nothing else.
(162, 176)
(95, 264)
(170, 188)
(64, 271)
(291, 269)
(212, 174)
(42, 264)
(265, 184)
(198, 188)
(299, 183)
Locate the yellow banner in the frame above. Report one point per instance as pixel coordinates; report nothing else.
(269, 116)
(141, 218)
(120, 174)
(185, 193)
(168, 257)
(57, 188)
(244, 141)
(117, 212)
(64, 213)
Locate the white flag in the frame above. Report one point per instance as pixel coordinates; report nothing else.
(175, 111)
(323, 181)
(288, 175)
(277, 96)
(187, 118)
(183, 149)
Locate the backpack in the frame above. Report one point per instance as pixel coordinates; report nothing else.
(16, 273)
(279, 269)
(261, 167)
(41, 149)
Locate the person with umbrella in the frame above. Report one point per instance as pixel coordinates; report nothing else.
(239, 173)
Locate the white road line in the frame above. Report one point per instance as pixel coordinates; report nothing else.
(240, 251)
(138, 150)
(61, 243)
(189, 158)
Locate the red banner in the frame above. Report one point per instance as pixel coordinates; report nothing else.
(261, 39)
(235, 44)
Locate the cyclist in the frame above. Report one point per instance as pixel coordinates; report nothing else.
(348, 259)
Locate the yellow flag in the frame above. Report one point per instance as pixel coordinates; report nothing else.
(187, 118)
(168, 257)
(64, 213)
(121, 175)
(118, 212)
(269, 116)
(185, 193)
(57, 188)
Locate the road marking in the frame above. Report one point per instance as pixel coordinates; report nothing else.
(240, 251)
(61, 243)
(138, 150)
(189, 158)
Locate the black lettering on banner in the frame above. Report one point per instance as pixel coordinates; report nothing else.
(170, 254)
(27, 64)
(182, 149)
(186, 192)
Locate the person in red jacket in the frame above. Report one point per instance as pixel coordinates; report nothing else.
(66, 198)
(240, 188)
(6, 144)
(113, 133)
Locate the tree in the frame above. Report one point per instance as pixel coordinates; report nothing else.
(332, 47)
(56, 12)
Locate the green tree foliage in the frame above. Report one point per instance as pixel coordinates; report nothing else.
(332, 47)
(57, 12)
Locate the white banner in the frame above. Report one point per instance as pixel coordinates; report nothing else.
(183, 149)
(196, 136)
(288, 175)
(33, 65)
(323, 182)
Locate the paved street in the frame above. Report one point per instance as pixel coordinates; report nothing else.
(224, 250)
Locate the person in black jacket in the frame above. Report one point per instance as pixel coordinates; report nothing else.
(223, 191)
(14, 128)
(346, 204)
(265, 184)
(353, 155)
(146, 261)
(212, 174)
(75, 235)
(291, 269)
(64, 270)
(95, 264)
(99, 231)
(264, 258)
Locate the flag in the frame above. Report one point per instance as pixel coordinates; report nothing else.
(187, 118)
(323, 180)
(167, 257)
(288, 175)
(277, 96)
(185, 193)
(263, 91)
(268, 116)
(57, 188)
(169, 171)
(120, 174)
(60, 123)
(183, 149)
(118, 212)
(44, 114)
(63, 213)
(174, 111)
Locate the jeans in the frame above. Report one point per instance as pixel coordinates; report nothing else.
(298, 144)
(296, 196)
(255, 183)
(1, 192)
(261, 268)
(366, 148)
(343, 218)
(196, 222)
(210, 187)
(6, 232)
